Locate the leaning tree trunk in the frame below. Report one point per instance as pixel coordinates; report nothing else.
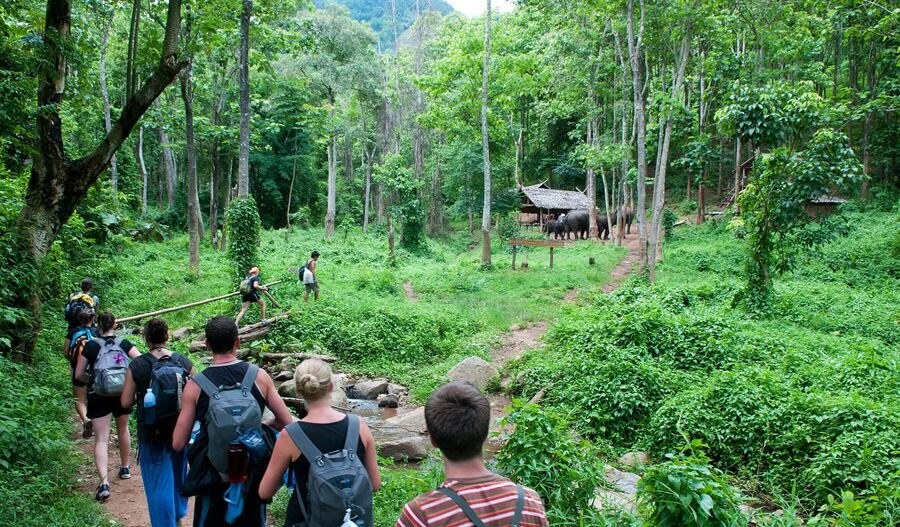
(244, 82)
(59, 183)
(194, 227)
(485, 149)
(142, 168)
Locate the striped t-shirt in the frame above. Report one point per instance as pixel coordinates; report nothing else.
(493, 498)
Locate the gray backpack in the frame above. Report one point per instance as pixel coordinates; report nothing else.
(232, 411)
(108, 372)
(337, 480)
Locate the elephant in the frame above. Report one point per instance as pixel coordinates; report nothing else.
(629, 218)
(578, 222)
(554, 227)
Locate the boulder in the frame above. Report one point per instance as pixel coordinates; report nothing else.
(339, 394)
(413, 448)
(387, 400)
(625, 482)
(296, 404)
(473, 370)
(413, 421)
(288, 388)
(181, 333)
(634, 459)
(397, 389)
(369, 388)
(283, 375)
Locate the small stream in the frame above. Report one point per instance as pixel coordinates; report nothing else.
(376, 418)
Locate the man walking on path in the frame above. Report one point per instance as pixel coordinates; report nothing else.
(457, 417)
(310, 280)
(227, 373)
(253, 288)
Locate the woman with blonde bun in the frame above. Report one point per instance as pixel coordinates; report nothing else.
(327, 430)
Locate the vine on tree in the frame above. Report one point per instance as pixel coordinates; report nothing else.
(243, 235)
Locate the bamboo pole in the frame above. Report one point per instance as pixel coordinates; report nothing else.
(185, 306)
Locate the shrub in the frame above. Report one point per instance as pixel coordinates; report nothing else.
(243, 235)
(686, 492)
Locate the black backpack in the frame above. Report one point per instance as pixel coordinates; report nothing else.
(76, 303)
(167, 379)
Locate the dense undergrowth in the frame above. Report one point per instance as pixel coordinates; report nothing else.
(799, 406)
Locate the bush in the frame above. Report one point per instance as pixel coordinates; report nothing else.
(243, 235)
(542, 455)
(686, 492)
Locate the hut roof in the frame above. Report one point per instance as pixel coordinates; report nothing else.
(546, 198)
(827, 200)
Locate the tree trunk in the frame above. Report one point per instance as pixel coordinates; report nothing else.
(142, 168)
(58, 183)
(606, 202)
(436, 220)
(194, 227)
(659, 187)
(485, 149)
(228, 194)
(332, 186)
(131, 75)
(701, 204)
(107, 118)
(168, 162)
(367, 197)
(591, 187)
(244, 82)
(287, 213)
(635, 52)
(737, 172)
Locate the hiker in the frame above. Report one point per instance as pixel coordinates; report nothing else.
(106, 358)
(163, 373)
(78, 301)
(77, 338)
(309, 277)
(251, 287)
(350, 454)
(223, 460)
(457, 417)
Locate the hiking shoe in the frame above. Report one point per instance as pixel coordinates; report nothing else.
(87, 429)
(102, 492)
(124, 473)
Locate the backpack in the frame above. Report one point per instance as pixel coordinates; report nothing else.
(470, 514)
(76, 348)
(108, 372)
(245, 287)
(76, 303)
(337, 480)
(167, 379)
(303, 271)
(232, 411)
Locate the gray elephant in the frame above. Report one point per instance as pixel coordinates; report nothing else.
(578, 222)
(555, 228)
(629, 218)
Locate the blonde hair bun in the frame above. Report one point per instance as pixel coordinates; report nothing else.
(313, 378)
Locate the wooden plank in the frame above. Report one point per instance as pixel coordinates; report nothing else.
(531, 242)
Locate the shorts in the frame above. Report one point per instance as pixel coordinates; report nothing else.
(101, 406)
(313, 287)
(252, 298)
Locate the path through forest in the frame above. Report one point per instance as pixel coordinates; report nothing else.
(128, 505)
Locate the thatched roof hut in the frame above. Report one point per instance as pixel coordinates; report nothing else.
(540, 202)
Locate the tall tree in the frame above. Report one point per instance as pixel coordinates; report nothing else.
(104, 92)
(636, 55)
(58, 183)
(485, 139)
(244, 82)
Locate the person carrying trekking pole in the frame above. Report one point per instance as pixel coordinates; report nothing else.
(156, 381)
(251, 287)
(106, 358)
(309, 277)
(349, 454)
(457, 417)
(231, 447)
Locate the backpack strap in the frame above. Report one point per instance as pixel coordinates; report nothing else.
(249, 378)
(461, 503)
(352, 435)
(305, 444)
(210, 389)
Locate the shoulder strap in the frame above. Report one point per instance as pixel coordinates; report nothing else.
(249, 378)
(352, 433)
(210, 389)
(461, 503)
(304, 443)
(520, 506)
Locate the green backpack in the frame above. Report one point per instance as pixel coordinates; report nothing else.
(245, 286)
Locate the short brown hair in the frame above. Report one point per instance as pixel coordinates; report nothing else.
(156, 331)
(458, 417)
(221, 334)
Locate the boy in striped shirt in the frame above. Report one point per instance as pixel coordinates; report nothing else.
(457, 416)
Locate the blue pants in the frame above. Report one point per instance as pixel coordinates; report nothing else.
(163, 470)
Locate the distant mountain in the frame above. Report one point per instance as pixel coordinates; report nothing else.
(378, 14)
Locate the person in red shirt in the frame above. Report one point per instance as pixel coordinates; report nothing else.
(457, 416)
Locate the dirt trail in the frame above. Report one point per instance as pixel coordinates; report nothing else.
(410, 292)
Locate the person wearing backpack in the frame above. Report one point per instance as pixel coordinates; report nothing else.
(76, 340)
(457, 417)
(228, 399)
(309, 277)
(162, 469)
(340, 445)
(106, 359)
(250, 288)
(77, 302)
